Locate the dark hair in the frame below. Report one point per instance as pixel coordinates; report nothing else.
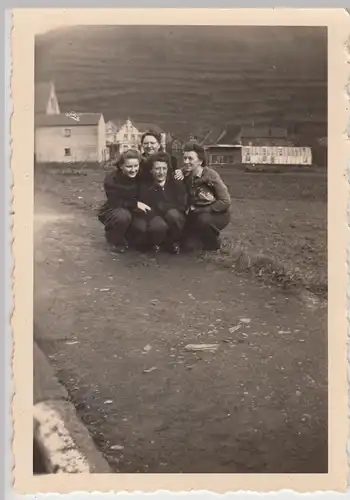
(197, 148)
(161, 156)
(132, 154)
(154, 134)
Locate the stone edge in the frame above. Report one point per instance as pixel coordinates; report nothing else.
(62, 439)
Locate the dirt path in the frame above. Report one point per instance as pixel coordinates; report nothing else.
(257, 404)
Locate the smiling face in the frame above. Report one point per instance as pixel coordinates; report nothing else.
(159, 171)
(150, 145)
(191, 162)
(131, 167)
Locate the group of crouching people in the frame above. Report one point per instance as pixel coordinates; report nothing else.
(153, 204)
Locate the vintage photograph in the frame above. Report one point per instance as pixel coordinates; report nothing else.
(180, 249)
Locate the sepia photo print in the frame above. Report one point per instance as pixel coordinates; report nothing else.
(180, 249)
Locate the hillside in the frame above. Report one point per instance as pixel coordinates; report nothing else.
(185, 78)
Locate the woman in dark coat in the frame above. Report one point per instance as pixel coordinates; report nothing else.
(151, 144)
(121, 188)
(208, 198)
(167, 199)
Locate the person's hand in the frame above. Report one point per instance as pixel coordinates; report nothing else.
(178, 175)
(143, 207)
(200, 210)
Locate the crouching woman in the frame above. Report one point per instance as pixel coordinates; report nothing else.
(121, 188)
(166, 196)
(208, 198)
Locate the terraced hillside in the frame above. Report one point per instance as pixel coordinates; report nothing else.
(185, 78)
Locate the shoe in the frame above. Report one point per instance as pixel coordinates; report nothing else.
(120, 248)
(175, 248)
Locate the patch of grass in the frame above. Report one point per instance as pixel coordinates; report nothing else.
(237, 257)
(278, 227)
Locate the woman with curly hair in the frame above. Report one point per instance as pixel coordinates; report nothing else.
(150, 145)
(118, 212)
(208, 199)
(167, 199)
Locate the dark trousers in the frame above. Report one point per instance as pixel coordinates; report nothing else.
(117, 222)
(153, 229)
(206, 227)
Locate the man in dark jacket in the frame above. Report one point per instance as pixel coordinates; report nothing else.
(208, 198)
(167, 199)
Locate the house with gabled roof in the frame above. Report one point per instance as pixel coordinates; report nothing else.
(126, 134)
(272, 145)
(66, 137)
(221, 145)
(257, 145)
(71, 138)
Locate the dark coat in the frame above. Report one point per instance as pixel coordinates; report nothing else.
(162, 199)
(121, 192)
(145, 169)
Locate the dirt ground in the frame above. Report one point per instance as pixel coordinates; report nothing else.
(279, 216)
(115, 328)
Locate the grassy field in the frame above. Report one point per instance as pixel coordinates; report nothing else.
(279, 227)
(279, 221)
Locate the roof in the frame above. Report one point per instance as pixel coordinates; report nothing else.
(68, 120)
(230, 135)
(42, 96)
(263, 131)
(223, 146)
(118, 123)
(144, 127)
(141, 126)
(221, 135)
(209, 136)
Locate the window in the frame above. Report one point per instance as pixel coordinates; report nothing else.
(220, 160)
(228, 159)
(125, 137)
(67, 152)
(67, 132)
(133, 137)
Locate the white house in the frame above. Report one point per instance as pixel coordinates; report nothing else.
(70, 138)
(281, 155)
(257, 146)
(66, 137)
(270, 145)
(127, 135)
